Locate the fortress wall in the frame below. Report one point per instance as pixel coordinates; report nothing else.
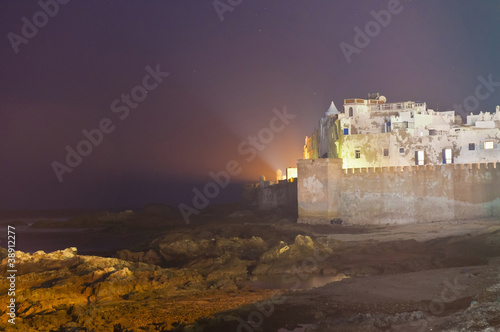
(396, 195)
(317, 183)
(281, 195)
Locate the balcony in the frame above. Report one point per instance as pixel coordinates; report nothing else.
(396, 106)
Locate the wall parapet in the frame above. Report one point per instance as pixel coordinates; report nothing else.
(417, 168)
(396, 195)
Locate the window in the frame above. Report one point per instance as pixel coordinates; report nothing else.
(472, 146)
(351, 111)
(401, 150)
(358, 154)
(386, 152)
(346, 131)
(447, 156)
(488, 145)
(419, 157)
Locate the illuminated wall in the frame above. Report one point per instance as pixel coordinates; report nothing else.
(396, 195)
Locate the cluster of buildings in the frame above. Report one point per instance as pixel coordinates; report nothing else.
(374, 133)
(379, 162)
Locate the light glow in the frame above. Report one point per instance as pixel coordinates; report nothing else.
(488, 145)
(291, 172)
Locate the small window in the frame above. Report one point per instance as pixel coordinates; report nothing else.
(419, 157)
(488, 145)
(401, 150)
(447, 156)
(346, 131)
(386, 152)
(351, 112)
(432, 132)
(472, 146)
(358, 154)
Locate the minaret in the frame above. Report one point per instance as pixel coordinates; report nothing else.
(332, 110)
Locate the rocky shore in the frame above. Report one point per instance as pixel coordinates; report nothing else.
(440, 276)
(62, 291)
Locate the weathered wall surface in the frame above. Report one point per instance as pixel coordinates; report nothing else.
(396, 195)
(280, 195)
(371, 148)
(317, 189)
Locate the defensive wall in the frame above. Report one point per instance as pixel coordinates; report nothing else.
(280, 195)
(272, 195)
(396, 195)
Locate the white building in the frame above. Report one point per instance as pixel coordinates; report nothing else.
(374, 133)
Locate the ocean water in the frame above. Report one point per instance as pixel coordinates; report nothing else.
(87, 240)
(290, 281)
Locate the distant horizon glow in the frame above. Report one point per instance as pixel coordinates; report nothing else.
(225, 79)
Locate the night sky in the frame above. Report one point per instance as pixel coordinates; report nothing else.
(227, 72)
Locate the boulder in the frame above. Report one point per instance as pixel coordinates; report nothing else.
(185, 250)
(152, 257)
(130, 256)
(275, 252)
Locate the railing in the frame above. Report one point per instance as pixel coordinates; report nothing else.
(416, 168)
(396, 106)
(354, 101)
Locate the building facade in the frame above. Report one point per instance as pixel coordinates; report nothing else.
(373, 133)
(378, 162)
